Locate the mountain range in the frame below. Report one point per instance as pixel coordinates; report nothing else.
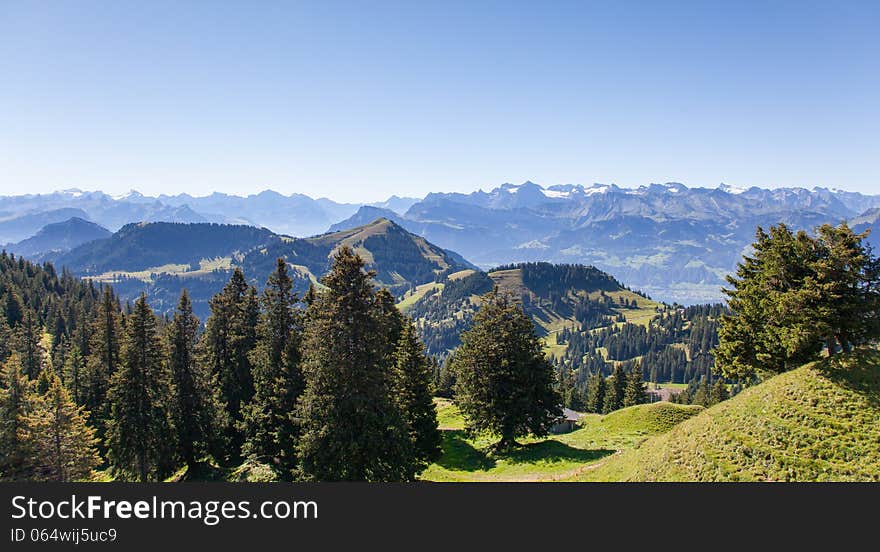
(673, 242)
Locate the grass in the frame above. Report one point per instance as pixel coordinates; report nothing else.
(411, 298)
(820, 422)
(554, 458)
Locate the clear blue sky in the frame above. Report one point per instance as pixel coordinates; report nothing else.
(360, 100)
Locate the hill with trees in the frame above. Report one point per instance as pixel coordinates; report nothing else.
(161, 259)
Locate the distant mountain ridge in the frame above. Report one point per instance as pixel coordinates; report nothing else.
(674, 242)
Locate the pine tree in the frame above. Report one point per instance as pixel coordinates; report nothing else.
(701, 395)
(196, 410)
(74, 378)
(615, 389)
(504, 384)
(225, 348)
(595, 393)
(139, 428)
(351, 428)
(269, 426)
(412, 393)
(61, 444)
(718, 392)
(635, 392)
(30, 348)
(795, 295)
(16, 401)
(102, 362)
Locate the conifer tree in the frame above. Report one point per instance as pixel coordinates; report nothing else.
(16, 400)
(74, 377)
(412, 393)
(29, 345)
(615, 389)
(351, 428)
(226, 346)
(796, 295)
(504, 384)
(635, 392)
(595, 393)
(196, 411)
(718, 392)
(139, 429)
(61, 444)
(269, 426)
(103, 360)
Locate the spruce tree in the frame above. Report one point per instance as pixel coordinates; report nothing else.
(796, 295)
(196, 410)
(74, 377)
(595, 393)
(635, 392)
(718, 392)
(139, 428)
(269, 427)
(102, 362)
(30, 348)
(615, 389)
(351, 428)
(61, 444)
(16, 401)
(412, 393)
(226, 347)
(504, 384)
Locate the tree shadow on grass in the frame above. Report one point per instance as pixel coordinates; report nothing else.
(551, 451)
(460, 455)
(857, 372)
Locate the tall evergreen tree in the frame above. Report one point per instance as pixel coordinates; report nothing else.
(351, 428)
(615, 389)
(795, 295)
(412, 393)
(74, 378)
(269, 426)
(139, 427)
(196, 409)
(103, 360)
(504, 384)
(29, 336)
(16, 401)
(635, 391)
(595, 393)
(61, 444)
(225, 347)
(718, 392)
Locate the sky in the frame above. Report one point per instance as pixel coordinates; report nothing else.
(357, 101)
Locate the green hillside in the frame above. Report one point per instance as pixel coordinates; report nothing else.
(820, 422)
(556, 297)
(555, 458)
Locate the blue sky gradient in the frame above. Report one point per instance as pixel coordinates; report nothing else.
(360, 100)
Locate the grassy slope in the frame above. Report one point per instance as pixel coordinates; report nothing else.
(819, 422)
(554, 458)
